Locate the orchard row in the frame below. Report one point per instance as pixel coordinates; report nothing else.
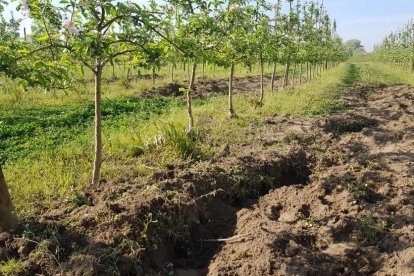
(70, 36)
(397, 47)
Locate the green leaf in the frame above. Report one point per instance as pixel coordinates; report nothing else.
(43, 38)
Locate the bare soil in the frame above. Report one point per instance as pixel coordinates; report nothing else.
(355, 216)
(212, 87)
(312, 196)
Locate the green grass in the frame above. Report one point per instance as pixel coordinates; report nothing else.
(378, 73)
(48, 147)
(29, 132)
(12, 267)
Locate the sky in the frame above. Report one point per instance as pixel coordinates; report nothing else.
(367, 20)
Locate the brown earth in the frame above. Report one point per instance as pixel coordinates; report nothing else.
(355, 216)
(212, 87)
(311, 196)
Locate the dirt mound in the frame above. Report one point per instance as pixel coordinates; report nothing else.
(145, 77)
(207, 88)
(169, 90)
(132, 228)
(355, 217)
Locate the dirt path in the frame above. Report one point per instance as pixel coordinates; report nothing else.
(355, 216)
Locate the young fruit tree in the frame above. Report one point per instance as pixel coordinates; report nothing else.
(262, 34)
(191, 24)
(234, 37)
(397, 48)
(92, 34)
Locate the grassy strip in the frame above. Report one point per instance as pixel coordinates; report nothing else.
(378, 73)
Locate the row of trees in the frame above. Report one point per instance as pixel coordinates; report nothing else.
(69, 35)
(397, 47)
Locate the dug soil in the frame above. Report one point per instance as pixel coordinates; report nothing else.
(213, 87)
(312, 196)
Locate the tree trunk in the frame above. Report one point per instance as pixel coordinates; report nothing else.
(231, 110)
(313, 70)
(153, 76)
(293, 74)
(98, 124)
(286, 77)
(127, 77)
(261, 79)
(300, 73)
(412, 62)
(273, 77)
(189, 106)
(204, 65)
(188, 74)
(8, 219)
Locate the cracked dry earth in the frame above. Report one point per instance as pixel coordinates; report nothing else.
(354, 215)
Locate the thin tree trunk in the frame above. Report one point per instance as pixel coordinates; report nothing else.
(294, 73)
(232, 114)
(313, 70)
(412, 62)
(172, 73)
(300, 72)
(98, 124)
(261, 79)
(204, 65)
(188, 74)
(127, 77)
(8, 219)
(153, 75)
(273, 77)
(189, 106)
(286, 77)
